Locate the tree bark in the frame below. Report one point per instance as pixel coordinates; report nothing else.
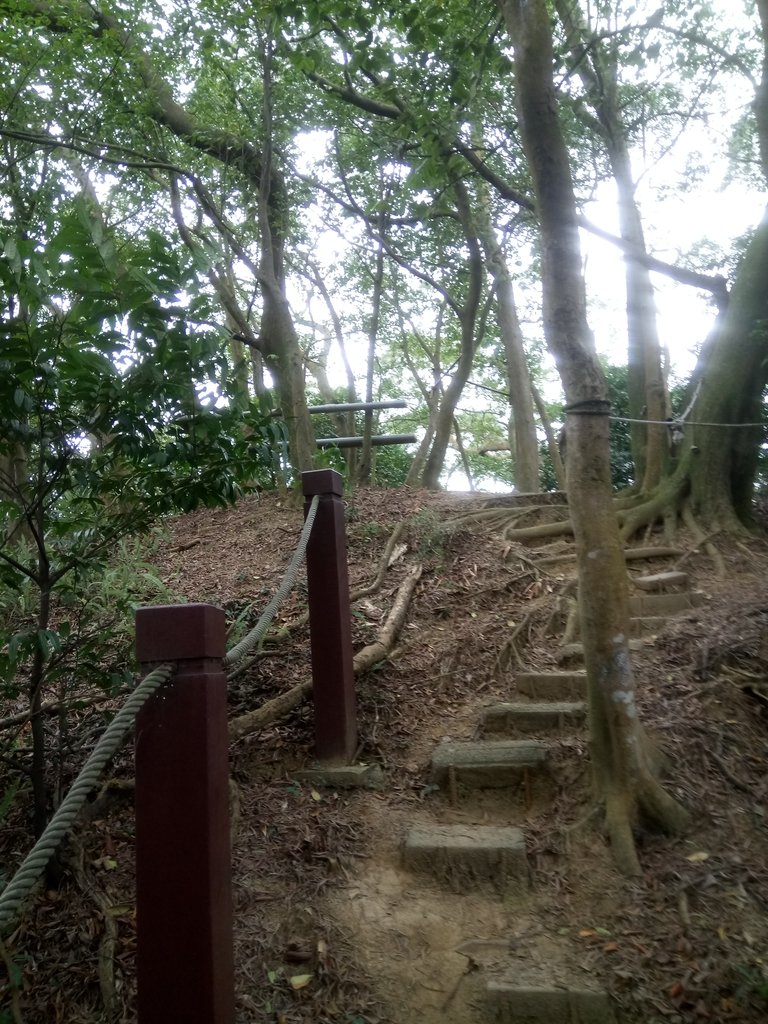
(646, 386)
(623, 769)
(721, 461)
(523, 442)
(467, 317)
(366, 458)
(720, 451)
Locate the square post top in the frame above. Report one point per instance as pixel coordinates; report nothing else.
(179, 631)
(322, 481)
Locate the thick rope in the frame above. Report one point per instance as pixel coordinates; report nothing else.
(34, 863)
(256, 635)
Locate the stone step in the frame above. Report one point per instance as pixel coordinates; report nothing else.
(552, 685)
(517, 1004)
(487, 764)
(646, 625)
(457, 852)
(661, 581)
(649, 553)
(570, 652)
(642, 625)
(665, 604)
(534, 717)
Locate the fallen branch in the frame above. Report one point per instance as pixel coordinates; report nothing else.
(382, 567)
(186, 545)
(355, 595)
(108, 943)
(55, 707)
(255, 721)
(382, 646)
(278, 707)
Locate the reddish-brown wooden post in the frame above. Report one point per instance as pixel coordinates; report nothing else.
(183, 863)
(333, 681)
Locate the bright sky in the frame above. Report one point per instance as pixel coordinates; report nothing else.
(685, 315)
(675, 222)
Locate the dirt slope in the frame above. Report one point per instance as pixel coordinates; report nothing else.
(319, 886)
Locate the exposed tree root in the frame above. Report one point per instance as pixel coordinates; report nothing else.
(702, 541)
(563, 528)
(657, 808)
(509, 654)
(695, 548)
(647, 553)
(640, 800)
(571, 623)
(666, 500)
(622, 502)
(558, 617)
(618, 826)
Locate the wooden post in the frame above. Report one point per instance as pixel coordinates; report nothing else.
(333, 681)
(183, 863)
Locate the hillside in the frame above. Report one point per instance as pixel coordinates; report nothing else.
(320, 884)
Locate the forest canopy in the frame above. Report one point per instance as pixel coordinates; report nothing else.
(346, 199)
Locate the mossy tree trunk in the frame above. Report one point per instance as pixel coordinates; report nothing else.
(722, 461)
(622, 758)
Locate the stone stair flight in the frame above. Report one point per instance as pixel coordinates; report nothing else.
(547, 704)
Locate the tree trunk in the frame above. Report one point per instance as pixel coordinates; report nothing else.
(282, 352)
(364, 469)
(646, 385)
(467, 316)
(734, 369)
(622, 767)
(278, 331)
(523, 442)
(552, 443)
(721, 445)
(350, 454)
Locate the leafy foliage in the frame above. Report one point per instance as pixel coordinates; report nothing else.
(111, 417)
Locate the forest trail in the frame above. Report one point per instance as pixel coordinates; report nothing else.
(444, 910)
(339, 916)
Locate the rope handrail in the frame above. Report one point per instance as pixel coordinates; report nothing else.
(34, 863)
(256, 635)
(27, 875)
(685, 423)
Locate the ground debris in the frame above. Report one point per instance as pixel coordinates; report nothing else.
(687, 943)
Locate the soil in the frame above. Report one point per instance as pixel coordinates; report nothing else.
(329, 926)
